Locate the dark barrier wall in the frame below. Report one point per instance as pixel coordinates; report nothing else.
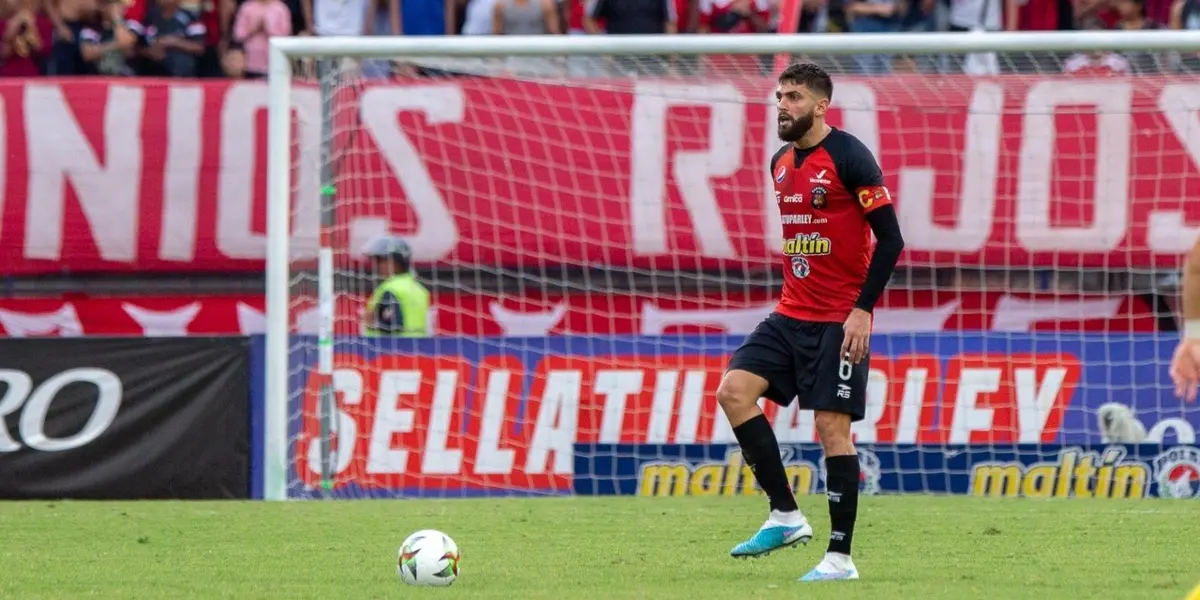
(129, 418)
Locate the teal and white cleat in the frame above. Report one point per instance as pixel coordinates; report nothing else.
(776, 533)
(834, 567)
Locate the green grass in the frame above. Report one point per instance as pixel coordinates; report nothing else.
(945, 548)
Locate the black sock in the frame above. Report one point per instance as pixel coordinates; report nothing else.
(841, 482)
(760, 449)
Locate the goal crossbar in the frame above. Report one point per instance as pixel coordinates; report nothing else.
(646, 45)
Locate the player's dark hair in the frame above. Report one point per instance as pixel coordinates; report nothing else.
(810, 76)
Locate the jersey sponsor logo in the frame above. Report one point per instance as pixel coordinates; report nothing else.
(807, 244)
(780, 174)
(819, 178)
(796, 219)
(793, 199)
(1075, 474)
(869, 196)
(818, 197)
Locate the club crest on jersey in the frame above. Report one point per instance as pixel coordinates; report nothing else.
(818, 197)
(780, 173)
(1177, 472)
(800, 267)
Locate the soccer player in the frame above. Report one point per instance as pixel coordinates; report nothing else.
(814, 347)
(1185, 366)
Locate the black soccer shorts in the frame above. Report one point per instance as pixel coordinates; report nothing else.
(802, 361)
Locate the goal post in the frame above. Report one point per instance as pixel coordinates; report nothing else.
(537, 271)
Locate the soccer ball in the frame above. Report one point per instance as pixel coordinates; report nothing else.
(428, 558)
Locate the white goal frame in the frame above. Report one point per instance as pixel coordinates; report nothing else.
(284, 49)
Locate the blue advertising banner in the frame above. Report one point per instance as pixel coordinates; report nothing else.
(455, 416)
(1102, 471)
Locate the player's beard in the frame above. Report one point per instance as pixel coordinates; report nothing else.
(793, 129)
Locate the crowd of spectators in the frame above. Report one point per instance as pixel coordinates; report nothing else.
(228, 38)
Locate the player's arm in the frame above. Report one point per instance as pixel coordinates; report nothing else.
(861, 175)
(1185, 366)
(1191, 294)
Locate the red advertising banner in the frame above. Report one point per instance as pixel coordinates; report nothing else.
(404, 426)
(168, 176)
(473, 315)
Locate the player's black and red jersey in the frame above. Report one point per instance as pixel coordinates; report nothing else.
(824, 194)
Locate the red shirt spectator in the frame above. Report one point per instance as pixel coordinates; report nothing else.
(683, 16)
(576, 12)
(1039, 15)
(1096, 64)
(734, 16)
(27, 40)
(738, 17)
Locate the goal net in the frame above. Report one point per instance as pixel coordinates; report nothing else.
(598, 232)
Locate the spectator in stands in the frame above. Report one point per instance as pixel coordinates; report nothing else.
(233, 61)
(737, 17)
(215, 39)
(874, 16)
(631, 17)
(70, 17)
(1131, 15)
(525, 17)
(975, 15)
(1039, 15)
(734, 16)
(1093, 64)
(28, 37)
(1098, 9)
(814, 16)
(58, 11)
(687, 16)
(335, 17)
(387, 19)
(400, 305)
(106, 43)
(301, 24)
(257, 22)
(1185, 14)
(473, 17)
(172, 41)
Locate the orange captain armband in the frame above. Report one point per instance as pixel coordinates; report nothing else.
(874, 196)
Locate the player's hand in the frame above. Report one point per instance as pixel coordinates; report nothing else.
(857, 336)
(1185, 369)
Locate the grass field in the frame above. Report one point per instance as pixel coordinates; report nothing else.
(922, 548)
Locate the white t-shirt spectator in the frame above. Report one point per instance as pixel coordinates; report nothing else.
(1091, 64)
(478, 20)
(340, 17)
(972, 14)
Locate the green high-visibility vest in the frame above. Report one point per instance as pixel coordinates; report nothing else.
(414, 306)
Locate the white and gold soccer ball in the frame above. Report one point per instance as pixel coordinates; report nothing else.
(428, 558)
